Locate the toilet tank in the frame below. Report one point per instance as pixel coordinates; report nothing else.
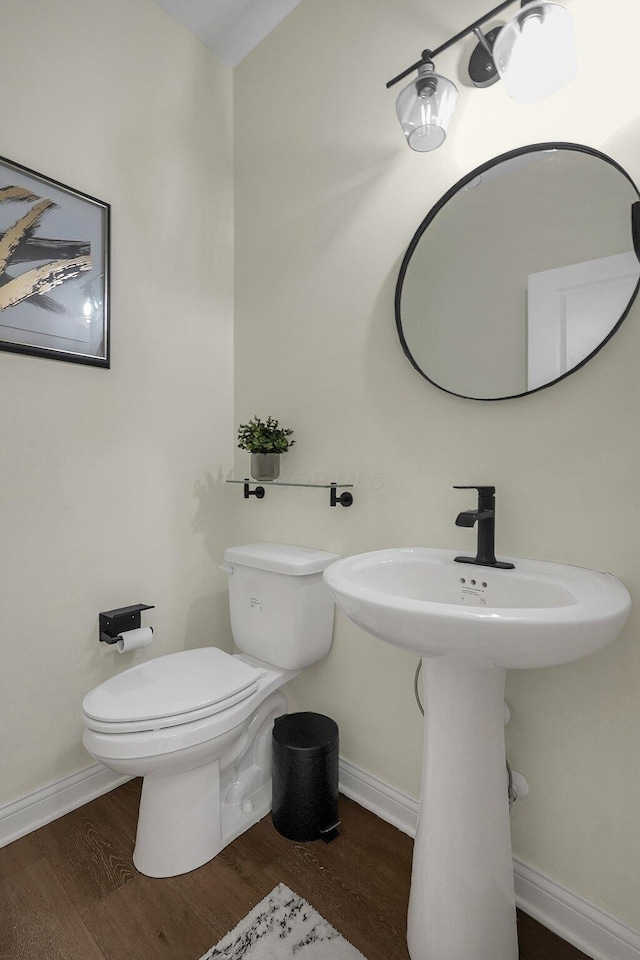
(281, 610)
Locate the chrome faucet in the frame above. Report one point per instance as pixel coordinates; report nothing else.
(485, 517)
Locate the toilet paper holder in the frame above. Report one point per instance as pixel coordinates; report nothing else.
(113, 622)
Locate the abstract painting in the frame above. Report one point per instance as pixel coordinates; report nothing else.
(54, 269)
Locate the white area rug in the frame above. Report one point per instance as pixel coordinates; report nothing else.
(282, 927)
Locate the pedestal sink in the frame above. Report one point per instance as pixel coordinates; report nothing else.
(471, 624)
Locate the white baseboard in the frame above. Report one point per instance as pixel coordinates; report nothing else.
(586, 926)
(26, 814)
(577, 921)
(385, 801)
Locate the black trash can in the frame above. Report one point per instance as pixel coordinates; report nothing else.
(305, 777)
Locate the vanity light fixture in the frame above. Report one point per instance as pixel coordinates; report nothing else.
(425, 107)
(534, 54)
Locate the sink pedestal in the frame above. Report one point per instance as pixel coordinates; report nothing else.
(462, 903)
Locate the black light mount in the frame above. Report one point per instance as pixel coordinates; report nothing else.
(482, 69)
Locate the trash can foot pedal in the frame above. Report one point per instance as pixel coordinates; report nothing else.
(330, 833)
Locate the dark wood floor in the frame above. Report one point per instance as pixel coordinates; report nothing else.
(69, 891)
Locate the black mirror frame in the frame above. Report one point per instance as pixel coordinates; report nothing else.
(530, 148)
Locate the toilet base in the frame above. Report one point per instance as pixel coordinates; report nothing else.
(187, 817)
(176, 830)
(177, 827)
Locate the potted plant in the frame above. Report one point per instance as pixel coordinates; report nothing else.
(265, 440)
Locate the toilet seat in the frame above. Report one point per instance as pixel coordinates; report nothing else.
(112, 744)
(171, 690)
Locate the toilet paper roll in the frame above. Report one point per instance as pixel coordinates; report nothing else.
(134, 639)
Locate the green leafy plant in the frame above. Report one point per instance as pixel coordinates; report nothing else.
(260, 436)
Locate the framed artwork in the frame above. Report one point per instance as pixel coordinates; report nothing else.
(54, 269)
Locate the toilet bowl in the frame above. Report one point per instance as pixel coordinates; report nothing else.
(196, 725)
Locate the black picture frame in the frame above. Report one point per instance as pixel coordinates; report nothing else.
(54, 269)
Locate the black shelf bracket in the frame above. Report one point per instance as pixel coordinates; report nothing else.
(345, 499)
(258, 492)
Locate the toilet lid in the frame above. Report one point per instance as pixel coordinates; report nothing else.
(170, 686)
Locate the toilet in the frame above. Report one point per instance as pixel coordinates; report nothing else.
(196, 725)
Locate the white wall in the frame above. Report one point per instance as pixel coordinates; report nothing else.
(327, 198)
(106, 493)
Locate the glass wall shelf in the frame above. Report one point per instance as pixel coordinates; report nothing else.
(344, 499)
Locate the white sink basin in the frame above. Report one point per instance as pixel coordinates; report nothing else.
(537, 615)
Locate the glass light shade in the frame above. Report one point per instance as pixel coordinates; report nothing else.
(425, 108)
(535, 52)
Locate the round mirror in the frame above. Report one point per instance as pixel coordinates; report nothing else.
(521, 272)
